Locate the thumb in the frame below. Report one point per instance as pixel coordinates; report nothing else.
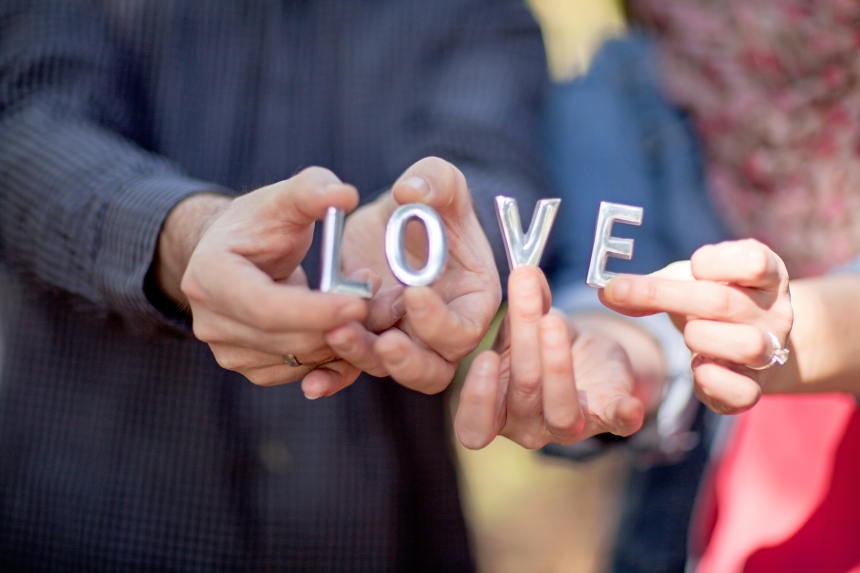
(435, 183)
(305, 197)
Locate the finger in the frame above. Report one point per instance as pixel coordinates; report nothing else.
(746, 263)
(355, 344)
(623, 416)
(261, 368)
(635, 295)
(604, 380)
(437, 183)
(238, 359)
(329, 379)
(434, 182)
(216, 329)
(252, 298)
(739, 343)
(723, 390)
(412, 366)
(305, 197)
(275, 375)
(527, 303)
(562, 413)
(679, 271)
(450, 333)
(477, 421)
(385, 308)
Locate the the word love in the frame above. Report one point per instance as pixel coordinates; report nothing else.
(521, 248)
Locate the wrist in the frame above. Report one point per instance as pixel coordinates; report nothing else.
(181, 232)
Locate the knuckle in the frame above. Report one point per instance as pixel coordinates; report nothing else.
(191, 288)
(529, 382)
(564, 424)
(205, 331)
(723, 302)
(531, 442)
(755, 347)
(649, 296)
(307, 349)
(557, 369)
(432, 387)
(727, 400)
(316, 175)
(258, 377)
(265, 321)
(227, 361)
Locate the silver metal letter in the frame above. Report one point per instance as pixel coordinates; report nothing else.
(605, 245)
(525, 249)
(395, 248)
(330, 277)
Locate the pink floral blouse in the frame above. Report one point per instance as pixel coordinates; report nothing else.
(773, 87)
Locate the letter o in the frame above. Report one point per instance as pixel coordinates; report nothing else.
(395, 248)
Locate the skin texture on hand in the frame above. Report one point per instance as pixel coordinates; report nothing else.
(239, 266)
(725, 302)
(239, 262)
(543, 382)
(437, 325)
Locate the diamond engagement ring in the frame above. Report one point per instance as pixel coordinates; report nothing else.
(779, 356)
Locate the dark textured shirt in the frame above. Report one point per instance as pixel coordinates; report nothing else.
(123, 445)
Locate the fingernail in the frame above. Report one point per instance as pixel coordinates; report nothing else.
(697, 361)
(398, 309)
(312, 396)
(419, 184)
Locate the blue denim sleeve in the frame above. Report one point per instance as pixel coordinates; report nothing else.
(610, 135)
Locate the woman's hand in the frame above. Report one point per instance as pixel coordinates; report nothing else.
(544, 383)
(727, 301)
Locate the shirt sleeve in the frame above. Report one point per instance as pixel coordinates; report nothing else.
(81, 206)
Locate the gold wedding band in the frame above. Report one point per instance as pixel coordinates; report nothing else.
(292, 362)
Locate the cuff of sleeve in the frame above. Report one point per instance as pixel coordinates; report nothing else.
(130, 229)
(667, 437)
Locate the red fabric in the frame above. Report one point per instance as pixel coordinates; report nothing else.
(787, 492)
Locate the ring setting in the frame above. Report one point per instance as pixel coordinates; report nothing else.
(779, 356)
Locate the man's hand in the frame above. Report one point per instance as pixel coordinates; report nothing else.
(543, 383)
(438, 325)
(239, 266)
